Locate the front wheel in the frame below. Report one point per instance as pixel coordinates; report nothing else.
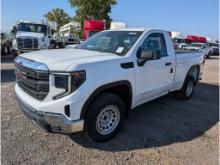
(15, 53)
(5, 50)
(188, 88)
(105, 117)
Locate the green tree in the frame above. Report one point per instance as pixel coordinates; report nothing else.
(92, 9)
(59, 16)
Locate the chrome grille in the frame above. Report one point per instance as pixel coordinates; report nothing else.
(33, 82)
(27, 43)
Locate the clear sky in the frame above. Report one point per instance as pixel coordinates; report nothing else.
(198, 17)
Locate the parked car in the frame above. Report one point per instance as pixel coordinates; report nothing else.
(214, 48)
(57, 41)
(93, 87)
(197, 46)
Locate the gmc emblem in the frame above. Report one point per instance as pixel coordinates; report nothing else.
(20, 74)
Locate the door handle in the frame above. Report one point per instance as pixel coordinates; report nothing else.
(168, 64)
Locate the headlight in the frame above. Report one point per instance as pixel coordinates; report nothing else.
(61, 81)
(69, 82)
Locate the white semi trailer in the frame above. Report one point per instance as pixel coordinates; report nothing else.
(118, 25)
(69, 32)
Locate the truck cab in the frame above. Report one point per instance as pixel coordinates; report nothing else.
(31, 36)
(92, 27)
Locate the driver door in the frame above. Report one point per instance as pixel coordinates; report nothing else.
(154, 78)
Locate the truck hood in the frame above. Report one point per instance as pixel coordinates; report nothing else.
(61, 59)
(29, 34)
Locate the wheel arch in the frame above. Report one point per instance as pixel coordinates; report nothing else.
(191, 72)
(115, 88)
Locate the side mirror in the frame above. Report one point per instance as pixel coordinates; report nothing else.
(14, 30)
(144, 56)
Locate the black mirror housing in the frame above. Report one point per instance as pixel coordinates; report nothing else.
(150, 55)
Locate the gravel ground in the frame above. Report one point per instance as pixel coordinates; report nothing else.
(164, 131)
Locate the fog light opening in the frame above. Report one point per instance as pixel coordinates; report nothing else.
(67, 110)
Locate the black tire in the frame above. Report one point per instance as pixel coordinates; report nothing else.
(5, 50)
(15, 53)
(10, 49)
(208, 55)
(183, 94)
(99, 104)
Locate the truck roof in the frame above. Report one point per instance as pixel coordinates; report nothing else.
(129, 29)
(135, 29)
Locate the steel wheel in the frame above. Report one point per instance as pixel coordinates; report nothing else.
(108, 120)
(189, 88)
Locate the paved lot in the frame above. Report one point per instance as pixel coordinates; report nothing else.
(164, 131)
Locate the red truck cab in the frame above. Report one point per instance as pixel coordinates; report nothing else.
(91, 27)
(192, 38)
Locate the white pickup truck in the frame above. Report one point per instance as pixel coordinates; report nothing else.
(92, 87)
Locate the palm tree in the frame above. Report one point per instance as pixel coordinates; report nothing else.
(59, 16)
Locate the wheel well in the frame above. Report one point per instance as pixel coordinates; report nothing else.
(122, 89)
(194, 72)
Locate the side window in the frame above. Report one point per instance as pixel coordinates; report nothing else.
(155, 42)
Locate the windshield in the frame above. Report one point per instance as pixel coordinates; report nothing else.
(118, 42)
(36, 28)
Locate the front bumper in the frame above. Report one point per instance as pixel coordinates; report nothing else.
(51, 122)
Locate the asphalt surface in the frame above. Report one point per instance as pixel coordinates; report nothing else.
(164, 131)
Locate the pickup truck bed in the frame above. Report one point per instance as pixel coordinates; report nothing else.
(180, 51)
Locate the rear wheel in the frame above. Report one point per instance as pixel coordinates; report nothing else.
(105, 117)
(208, 55)
(188, 88)
(10, 49)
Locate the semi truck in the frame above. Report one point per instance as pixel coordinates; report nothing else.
(31, 35)
(91, 27)
(93, 87)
